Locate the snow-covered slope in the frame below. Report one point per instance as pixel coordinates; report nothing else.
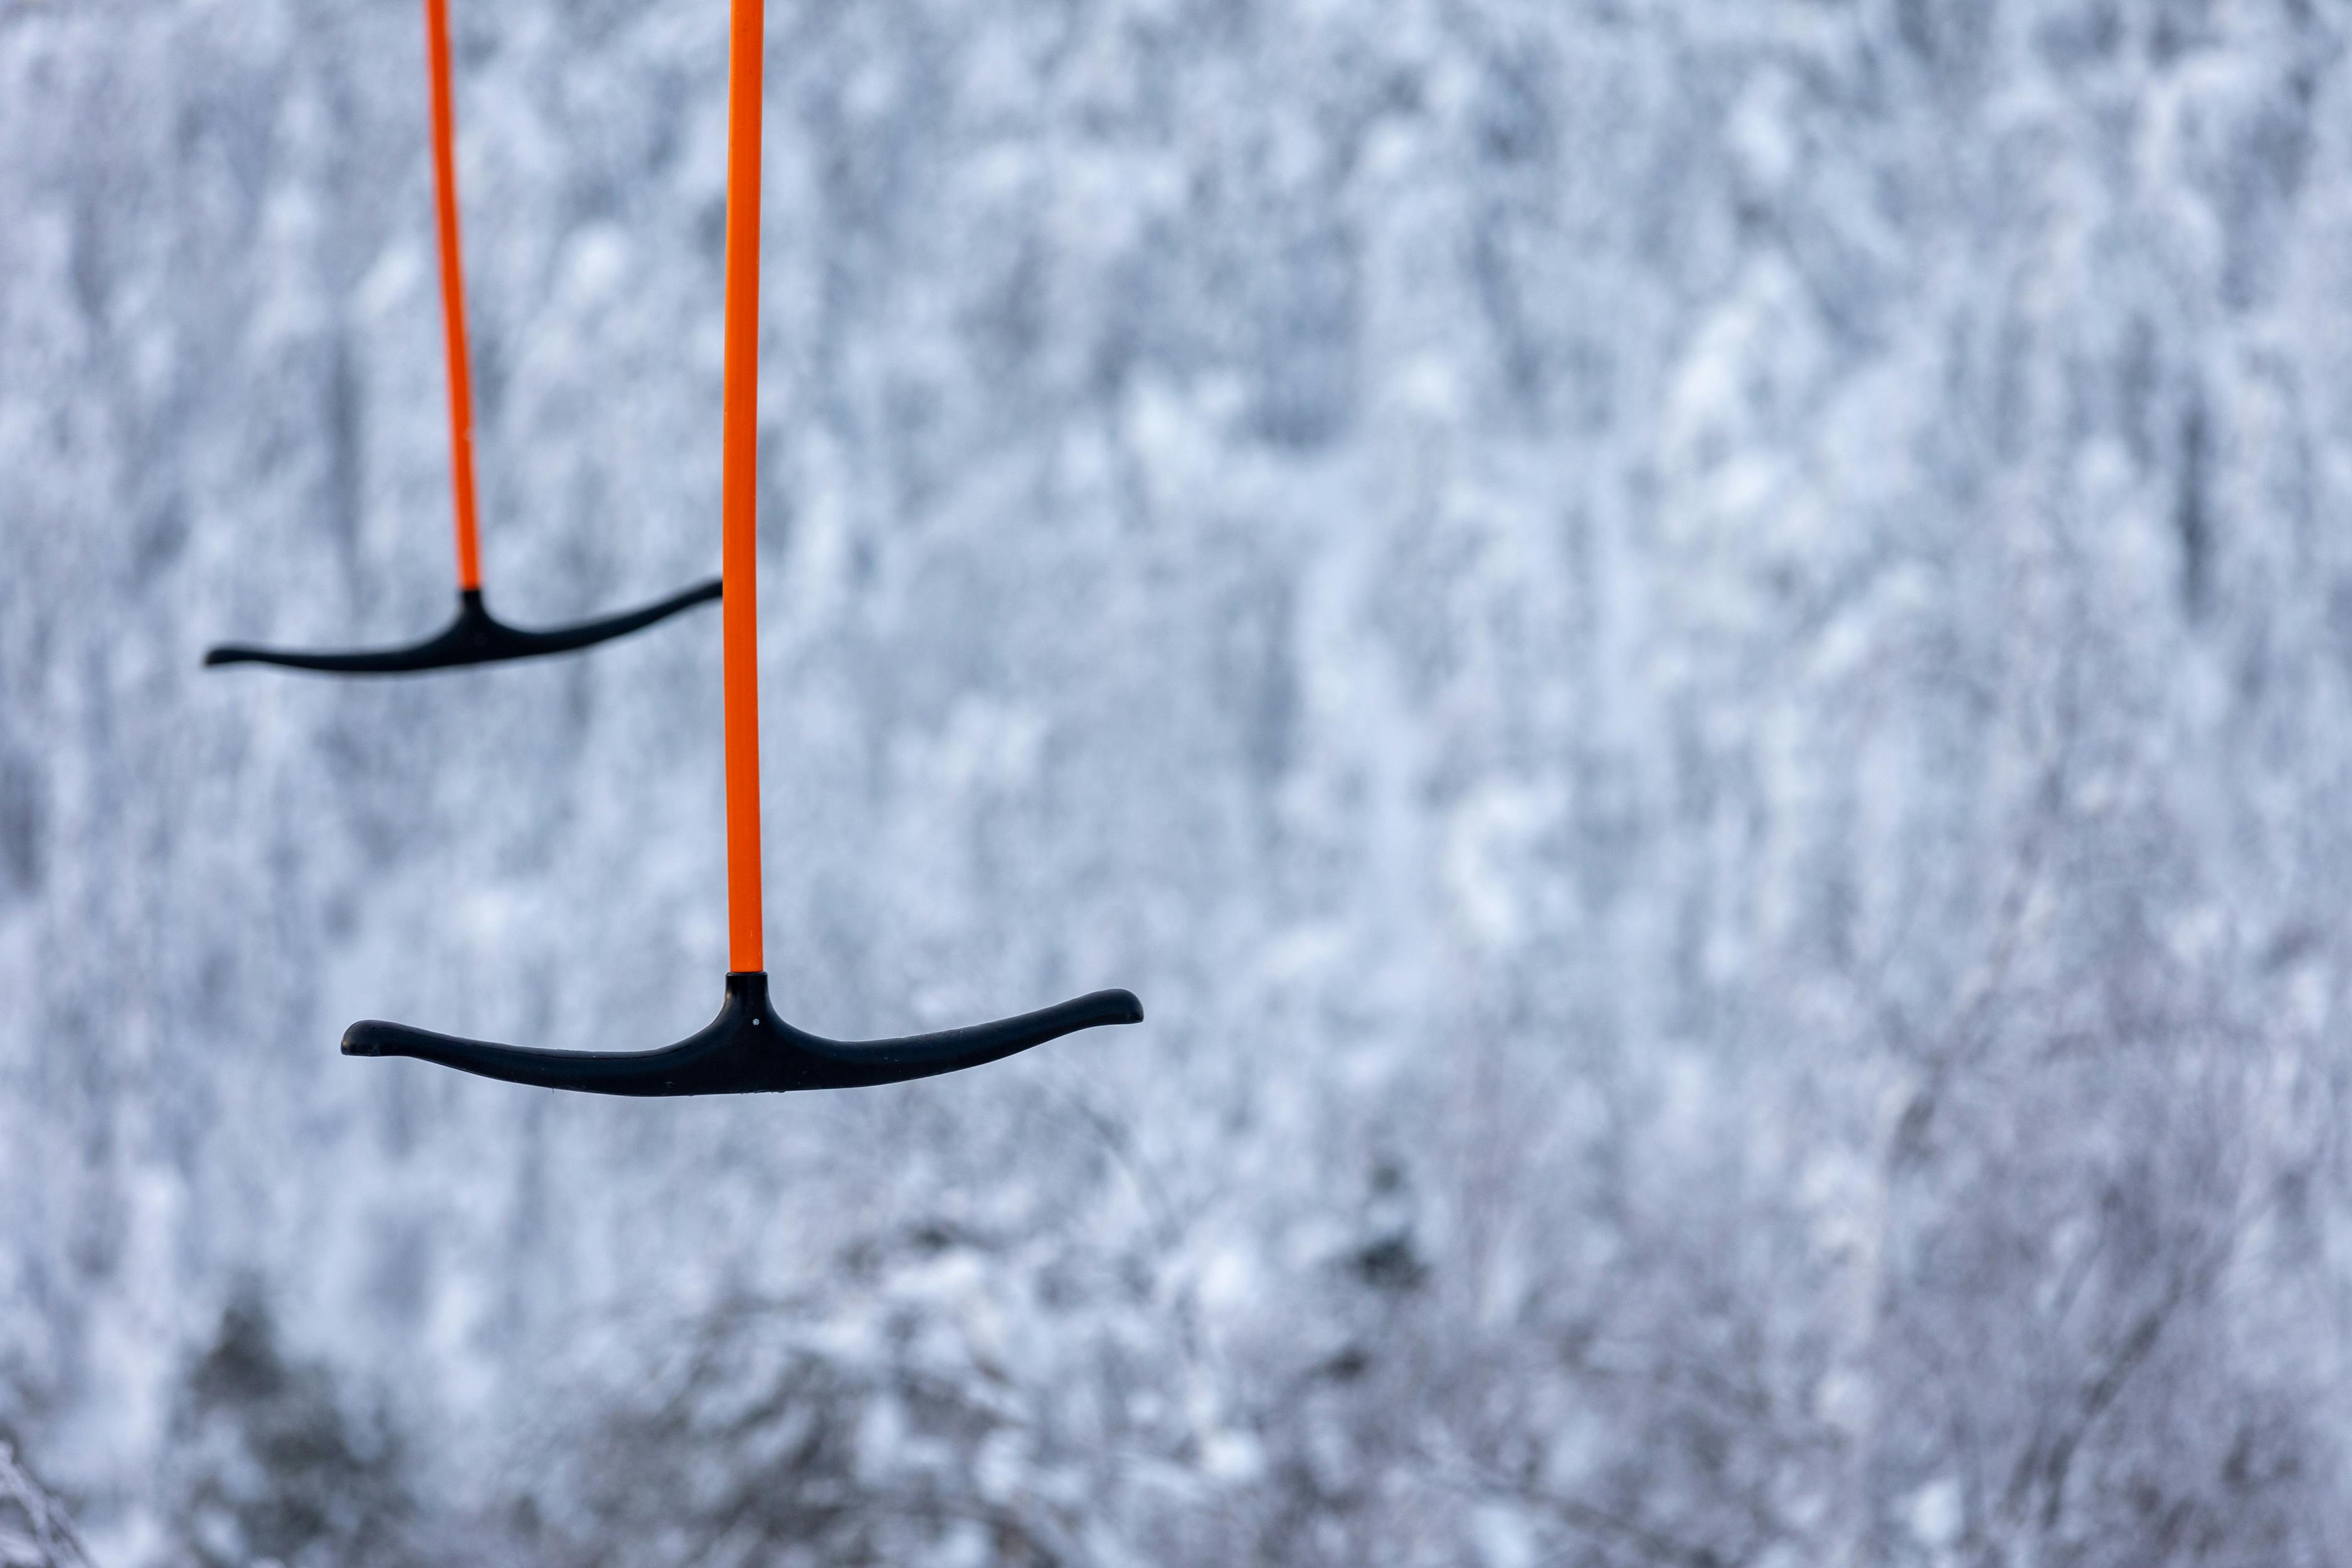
(1698, 655)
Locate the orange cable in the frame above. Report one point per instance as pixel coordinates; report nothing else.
(738, 488)
(453, 290)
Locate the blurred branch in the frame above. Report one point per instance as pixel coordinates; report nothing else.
(45, 1536)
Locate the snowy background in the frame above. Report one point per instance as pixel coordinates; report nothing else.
(1698, 654)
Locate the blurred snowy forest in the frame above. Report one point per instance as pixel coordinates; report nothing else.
(1698, 654)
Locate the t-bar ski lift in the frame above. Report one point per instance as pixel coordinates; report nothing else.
(747, 1048)
(476, 637)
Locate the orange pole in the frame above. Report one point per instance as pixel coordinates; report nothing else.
(453, 290)
(739, 484)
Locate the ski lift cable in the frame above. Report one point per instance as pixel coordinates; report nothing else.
(748, 1047)
(475, 637)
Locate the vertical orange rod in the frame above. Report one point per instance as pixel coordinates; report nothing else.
(453, 290)
(739, 488)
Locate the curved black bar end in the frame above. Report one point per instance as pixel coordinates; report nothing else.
(747, 1050)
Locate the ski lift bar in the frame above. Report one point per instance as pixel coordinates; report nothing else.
(476, 637)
